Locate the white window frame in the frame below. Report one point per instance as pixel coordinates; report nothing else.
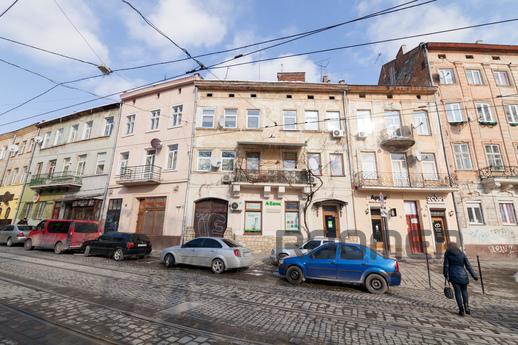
(311, 120)
(46, 139)
(123, 161)
(428, 161)
(130, 124)
(230, 114)
(154, 120)
(462, 156)
(367, 173)
(81, 165)
(511, 112)
(200, 159)
(22, 147)
(87, 130)
(494, 156)
(24, 174)
(172, 157)
(72, 135)
(484, 112)
(508, 216)
(58, 136)
(333, 120)
(176, 115)
(289, 120)
(473, 206)
(341, 164)
(423, 126)
(319, 163)
(207, 112)
(67, 164)
(101, 161)
(251, 113)
(474, 76)
(500, 80)
(443, 80)
(454, 112)
(228, 159)
(108, 126)
(16, 171)
(364, 121)
(286, 158)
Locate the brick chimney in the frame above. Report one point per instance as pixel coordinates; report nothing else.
(291, 76)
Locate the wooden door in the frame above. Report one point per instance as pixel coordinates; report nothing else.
(151, 215)
(377, 228)
(210, 217)
(439, 231)
(331, 221)
(415, 239)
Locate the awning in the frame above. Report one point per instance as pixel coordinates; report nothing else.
(271, 144)
(329, 202)
(82, 197)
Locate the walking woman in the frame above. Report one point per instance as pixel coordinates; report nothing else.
(454, 272)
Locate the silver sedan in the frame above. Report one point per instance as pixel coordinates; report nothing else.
(14, 234)
(220, 254)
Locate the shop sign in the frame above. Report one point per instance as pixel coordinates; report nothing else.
(434, 199)
(378, 198)
(272, 206)
(83, 203)
(7, 197)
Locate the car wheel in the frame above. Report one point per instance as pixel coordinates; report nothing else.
(87, 251)
(9, 242)
(58, 248)
(169, 260)
(118, 255)
(218, 266)
(376, 284)
(294, 275)
(28, 244)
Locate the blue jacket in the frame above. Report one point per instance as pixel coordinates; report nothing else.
(453, 268)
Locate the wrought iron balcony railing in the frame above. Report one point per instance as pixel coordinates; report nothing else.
(366, 179)
(498, 171)
(55, 179)
(272, 176)
(398, 138)
(139, 175)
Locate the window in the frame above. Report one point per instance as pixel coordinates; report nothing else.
(72, 135)
(289, 160)
(86, 228)
(155, 120)
(393, 123)
(51, 167)
(13, 153)
(81, 164)
(291, 210)
(474, 77)
(227, 160)
(46, 139)
(21, 149)
(333, 120)
(364, 121)
(59, 227)
(101, 163)
(40, 210)
(29, 148)
(501, 78)
(446, 76)
(494, 157)
(211, 243)
(7, 177)
(130, 124)
(207, 118)
(7, 213)
(67, 164)
(172, 156)
(511, 111)
(204, 160)
(25, 173)
(59, 136)
(253, 118)
(484, 112)
(475, 215)
(123, 162)
(253, 211)
(311, 245)
(230, 118)
(108, 126)
(253, 162)
(421, 124)
(348, 252)
(2, 152)
(28, 210)
(290, 120)
(429, 166)
(176, 117)
(336, 164)
(507, 213)
(87, 131)
(326, 252)
(196, 243)
(368, 165)
(39, 167)
(462, 157)
(311, 120)
(314, 163)
(15, 176)
(454, 112)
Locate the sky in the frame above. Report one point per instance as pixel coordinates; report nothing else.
(109, 32)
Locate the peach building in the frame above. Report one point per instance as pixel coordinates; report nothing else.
(477, 101)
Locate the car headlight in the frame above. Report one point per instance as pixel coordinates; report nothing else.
(281, 261)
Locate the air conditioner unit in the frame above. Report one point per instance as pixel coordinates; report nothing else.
(12, 148)
(226, 179)
(337, 133)
(38, 140)
(418, 156)
(236, 206)
(215, 162)
(361, 135)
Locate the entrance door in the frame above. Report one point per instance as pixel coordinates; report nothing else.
(210, 217)
(377, 228)
(151, 214)
(439, 230)
(113, 215)
(415, 239)
(399, 170)
(331, 221)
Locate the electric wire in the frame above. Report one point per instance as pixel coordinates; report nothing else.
(8, 8)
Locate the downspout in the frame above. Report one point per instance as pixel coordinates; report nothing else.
(443, 146)
(348, 154)
(191, 154)
(26, 179)
(7, 161)
(110, 169)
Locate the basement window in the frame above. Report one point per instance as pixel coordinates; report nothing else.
(470, 57)
(390, 96)
(179, 90)
(331, 97)
(441, 56)
(209, 95)
(418, 96)
(361, 95)
(253, 95)
(311, 97)
(230, 95)
(495, 57)
(158, 95)
(289, 96)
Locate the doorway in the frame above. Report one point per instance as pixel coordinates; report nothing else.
(151, 215)
(113, 215)
(377, 228)
(210, 217)
(440, 231)
(331, 221)
(415, 238)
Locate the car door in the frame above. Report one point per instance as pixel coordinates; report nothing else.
(37, 235)
(99, 246)
(186, 252)
(206, 253)
(350, 263)
(321, 263)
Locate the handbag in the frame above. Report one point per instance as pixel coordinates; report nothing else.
(448, 291)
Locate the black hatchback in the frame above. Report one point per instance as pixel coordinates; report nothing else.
(119, 245)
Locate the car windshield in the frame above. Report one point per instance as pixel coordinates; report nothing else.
(25, 227)
(231, 243)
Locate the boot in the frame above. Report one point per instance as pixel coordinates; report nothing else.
(466, 309)
(461, 311)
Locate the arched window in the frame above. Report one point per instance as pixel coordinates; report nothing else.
(7, 211)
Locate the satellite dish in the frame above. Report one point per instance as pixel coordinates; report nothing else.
(221, 122)
(38, 139)
(156, 143)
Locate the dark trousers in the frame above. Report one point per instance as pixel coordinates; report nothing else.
(461, 294)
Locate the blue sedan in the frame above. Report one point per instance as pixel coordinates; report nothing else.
(343, 262)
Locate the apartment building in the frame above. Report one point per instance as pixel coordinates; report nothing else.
(148, 183)
(16, 150)
(477, 101)
(71, 165)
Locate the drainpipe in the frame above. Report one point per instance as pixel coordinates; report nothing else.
(348, 154)
(189, 170)
(26, 179)
(110, 169)
(443, 146)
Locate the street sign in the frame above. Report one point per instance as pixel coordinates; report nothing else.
(382, 200)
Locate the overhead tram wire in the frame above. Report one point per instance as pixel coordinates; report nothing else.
(261, 60)
(8, 8)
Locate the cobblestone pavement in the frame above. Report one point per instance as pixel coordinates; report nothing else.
(96, 300)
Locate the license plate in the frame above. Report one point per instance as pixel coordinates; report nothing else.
(142, 245)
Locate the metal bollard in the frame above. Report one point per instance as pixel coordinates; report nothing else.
(480, 275)
(427, 265)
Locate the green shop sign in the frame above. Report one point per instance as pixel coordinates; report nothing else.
(272, 203)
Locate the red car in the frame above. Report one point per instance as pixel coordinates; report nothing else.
(62, 235)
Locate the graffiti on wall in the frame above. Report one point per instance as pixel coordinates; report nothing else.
(505, 249)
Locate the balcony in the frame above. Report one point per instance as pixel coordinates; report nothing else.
(279, 177)
(55, 181)
(397, 139)
(139, 175)
(393, 181)
(494, 177)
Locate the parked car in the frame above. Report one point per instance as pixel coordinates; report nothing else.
(277, 254)
(118, 245)
(62, 235)
(220, 254)
(14, 234)
(343, 262)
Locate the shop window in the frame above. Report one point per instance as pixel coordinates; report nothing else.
(253, 215)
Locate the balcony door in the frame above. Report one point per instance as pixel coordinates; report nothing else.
(253, 162)
(393, 123)
(150, 162)
(399, 170)
(52, 168)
